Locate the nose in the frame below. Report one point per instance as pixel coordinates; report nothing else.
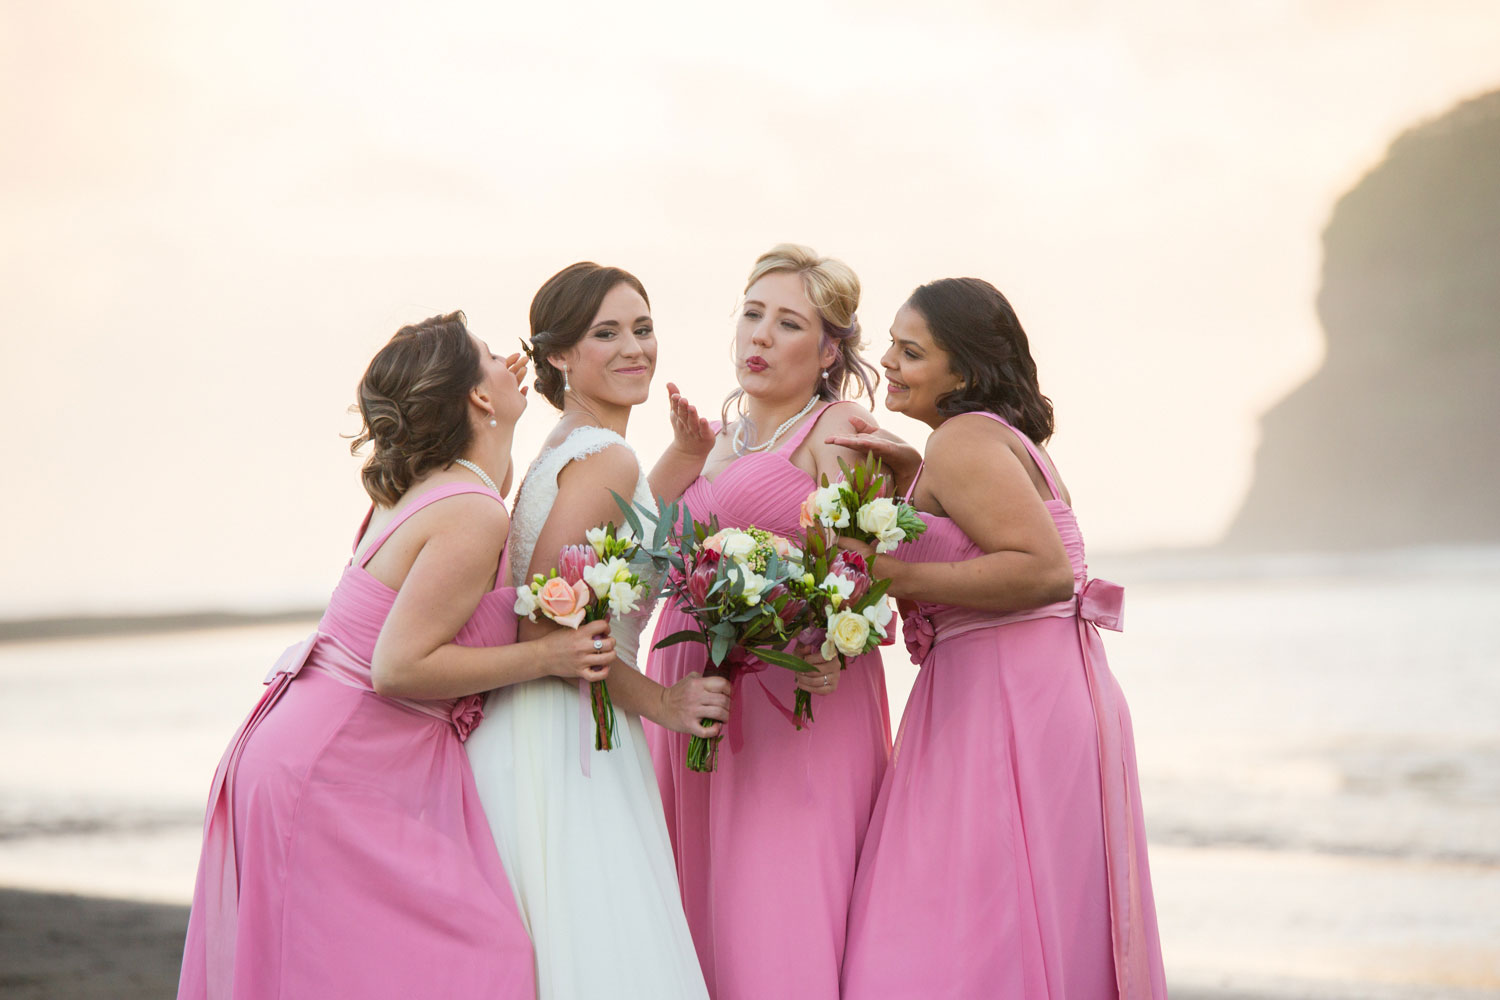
(760, 335)
(887, 359)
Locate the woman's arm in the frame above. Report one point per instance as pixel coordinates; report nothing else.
(900, 459)
(682, 462)
(584, 502)
(982, 485)
(458, 548)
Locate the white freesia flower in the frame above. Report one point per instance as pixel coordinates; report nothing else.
(601, 576)
(879, 615)
(838, 588)
(831, 510)
(624, 597)
(526, 603)
(889, 539)
(597, 537)
(738, 545)
(626, 534)
(847, 633)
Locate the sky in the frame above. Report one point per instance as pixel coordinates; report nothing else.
(211, 215)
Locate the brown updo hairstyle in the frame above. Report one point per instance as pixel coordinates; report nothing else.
(988, 349)
(562, 311)
(414, 401)
(833, 289)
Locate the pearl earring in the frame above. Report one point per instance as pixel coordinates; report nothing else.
(566, 386)
(825, 374)
(493, 422)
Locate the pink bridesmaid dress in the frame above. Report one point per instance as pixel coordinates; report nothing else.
(766, 845)
(345, 852)
(1007, 853)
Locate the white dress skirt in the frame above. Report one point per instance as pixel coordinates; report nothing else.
(588, 856)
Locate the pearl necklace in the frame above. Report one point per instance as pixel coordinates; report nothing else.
(740, 448)
(478, 472)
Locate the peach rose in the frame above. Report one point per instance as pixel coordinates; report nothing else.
(564, 602)
(807, 514)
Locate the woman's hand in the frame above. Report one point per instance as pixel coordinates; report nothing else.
(570, 653)
(690, 432)
(824, 680)
(517, 365)
(896, 455)
(694, 698)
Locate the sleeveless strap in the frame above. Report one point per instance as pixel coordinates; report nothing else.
(432, 496)
(911, 490)
(802, 432)
(1031, 449)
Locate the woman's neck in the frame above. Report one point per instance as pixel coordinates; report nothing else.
(610, 416)
(767, 415)
(491, 452)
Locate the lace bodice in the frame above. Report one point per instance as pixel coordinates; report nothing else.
(537, 497)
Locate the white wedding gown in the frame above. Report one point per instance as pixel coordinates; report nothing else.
(588, 857)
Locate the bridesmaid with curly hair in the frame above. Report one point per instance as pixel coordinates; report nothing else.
(345, 853)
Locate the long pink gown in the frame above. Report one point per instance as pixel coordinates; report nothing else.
(766, 845)
(1007, 854)
(345, 851)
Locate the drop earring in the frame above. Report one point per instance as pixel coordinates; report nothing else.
(566, 386)
(494, 422)
(825, 374)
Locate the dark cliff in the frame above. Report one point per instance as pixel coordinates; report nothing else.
(1395, 441)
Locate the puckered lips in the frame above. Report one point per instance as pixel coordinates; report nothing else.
(756, 363)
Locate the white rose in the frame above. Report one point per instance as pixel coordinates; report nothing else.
(738, 545)
(847, 633)
(526, 603)
(878, 516)
(624, 598)
(753, 584)
(879, 615)
(596, 537)
(831, 510)
(838, 588)
(601, 576)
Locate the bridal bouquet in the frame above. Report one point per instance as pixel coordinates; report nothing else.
(591, 582)
(746, 588)
(854, 507)
(848, 605)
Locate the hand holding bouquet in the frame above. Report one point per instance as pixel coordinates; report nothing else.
(591, 582)
(746, 589)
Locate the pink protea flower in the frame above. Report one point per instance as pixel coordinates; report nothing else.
(851, 566)
(702, 578)
(791, 609)
(574, 559)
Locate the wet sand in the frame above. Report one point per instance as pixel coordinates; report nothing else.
(56, 947)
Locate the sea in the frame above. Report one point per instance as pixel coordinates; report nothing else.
(1318, 737)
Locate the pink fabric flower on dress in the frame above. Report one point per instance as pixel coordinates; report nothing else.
(466, 715)
(917, 630)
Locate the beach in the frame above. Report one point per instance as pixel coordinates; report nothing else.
(1319, 758)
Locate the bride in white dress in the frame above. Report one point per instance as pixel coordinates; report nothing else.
(581, 831)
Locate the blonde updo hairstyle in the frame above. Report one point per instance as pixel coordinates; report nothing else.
(414, 402)
(833, 289)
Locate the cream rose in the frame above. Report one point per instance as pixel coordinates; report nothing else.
(737, 545)
(848, 633)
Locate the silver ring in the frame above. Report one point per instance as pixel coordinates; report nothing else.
(598, 645)
(825, 680)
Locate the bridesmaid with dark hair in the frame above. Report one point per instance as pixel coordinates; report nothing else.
(1007, 853)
